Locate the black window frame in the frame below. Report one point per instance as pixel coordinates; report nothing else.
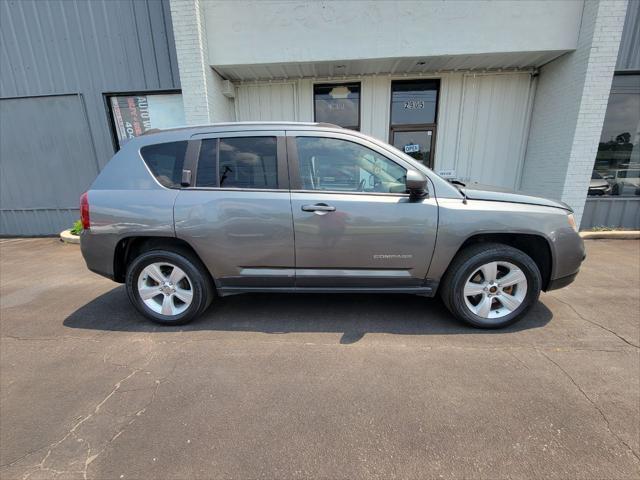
(615, 90)
(106, 98)
(340, 84)
(193, 160)
(410, 127)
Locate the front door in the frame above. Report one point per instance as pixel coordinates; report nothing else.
(415, 143)
(355, 225)
(414, 112)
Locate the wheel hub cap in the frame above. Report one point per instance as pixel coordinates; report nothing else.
(164, 288)
(495, 289)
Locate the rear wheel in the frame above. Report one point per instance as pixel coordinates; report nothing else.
(168, 287)
(491, 285)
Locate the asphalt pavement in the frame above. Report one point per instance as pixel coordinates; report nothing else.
(315, 386)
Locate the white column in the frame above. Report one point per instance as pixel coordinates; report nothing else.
(569, 108)
(201, 85)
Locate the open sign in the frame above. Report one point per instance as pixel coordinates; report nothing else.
(411, 148)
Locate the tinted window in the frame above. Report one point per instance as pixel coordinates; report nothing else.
(165, 160)
(340, 165)
(338, 104)
(207, 163)
(414, 102)
(244, 162)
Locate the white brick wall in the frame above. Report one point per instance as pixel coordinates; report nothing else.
(569, 108)
(201, 85)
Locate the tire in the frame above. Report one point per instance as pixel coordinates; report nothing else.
(178, 299)
(465, 275)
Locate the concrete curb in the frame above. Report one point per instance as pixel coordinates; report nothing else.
(612, 234)
(67, 237)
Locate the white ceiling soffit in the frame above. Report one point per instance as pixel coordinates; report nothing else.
(392, 66)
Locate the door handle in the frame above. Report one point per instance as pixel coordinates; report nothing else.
(318, 208)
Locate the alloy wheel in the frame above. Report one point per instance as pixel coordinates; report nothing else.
(495, 289)
(165, 288)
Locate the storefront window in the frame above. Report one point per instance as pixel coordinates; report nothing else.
(617, 167)
(132, 115)
(338, 104)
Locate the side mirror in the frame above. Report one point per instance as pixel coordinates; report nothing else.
(416, 184)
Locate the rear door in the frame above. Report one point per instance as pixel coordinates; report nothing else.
(355, 225)
(237, 211)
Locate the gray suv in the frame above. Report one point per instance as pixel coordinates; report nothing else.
(185, 215)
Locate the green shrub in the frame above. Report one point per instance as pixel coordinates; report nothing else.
(77, 228)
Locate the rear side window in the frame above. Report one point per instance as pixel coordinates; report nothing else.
(166, 160)
(242, 162)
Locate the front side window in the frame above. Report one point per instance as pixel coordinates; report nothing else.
(618, 159)
(166, 160)
(332, 164)
(338, 103)
(242, 162)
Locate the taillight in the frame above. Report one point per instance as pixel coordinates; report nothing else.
(84, 211)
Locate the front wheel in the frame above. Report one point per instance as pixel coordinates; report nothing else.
(491, 285)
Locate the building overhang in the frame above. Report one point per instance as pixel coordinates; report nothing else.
(388, 66)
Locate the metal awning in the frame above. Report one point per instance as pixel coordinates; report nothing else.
(391, 66)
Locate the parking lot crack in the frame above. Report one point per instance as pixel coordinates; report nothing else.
(593, 322)
(41, 465)
(595, 405)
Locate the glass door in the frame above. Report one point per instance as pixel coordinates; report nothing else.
(415, 143)
(414, 112)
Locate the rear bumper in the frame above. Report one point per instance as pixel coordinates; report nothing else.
(97, 251)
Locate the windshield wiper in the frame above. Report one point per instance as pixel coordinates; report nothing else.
(462, 190)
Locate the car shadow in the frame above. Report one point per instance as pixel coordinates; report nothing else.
(353, 315)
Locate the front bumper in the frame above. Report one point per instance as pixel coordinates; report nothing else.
(561, 282)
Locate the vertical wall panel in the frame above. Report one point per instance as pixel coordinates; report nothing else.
(449, 109)
(493, 128)
(47, 171)
(269, 101)
(629, 52)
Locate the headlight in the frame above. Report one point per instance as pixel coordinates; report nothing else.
(572, 221)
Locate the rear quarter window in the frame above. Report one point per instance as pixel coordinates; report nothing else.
(166, 160)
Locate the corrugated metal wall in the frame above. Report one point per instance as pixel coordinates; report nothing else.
(494, 124)
(267, 102)
(80, 50)
(616, 212)
(629, 52)
(482, 119)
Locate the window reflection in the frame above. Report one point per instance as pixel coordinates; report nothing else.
(338, 103)
(332, 164)
(413, 102)
(617, 167)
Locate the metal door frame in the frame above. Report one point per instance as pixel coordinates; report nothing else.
(422, 127)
